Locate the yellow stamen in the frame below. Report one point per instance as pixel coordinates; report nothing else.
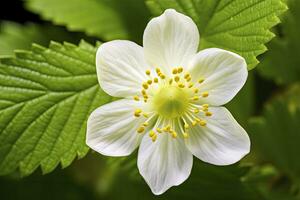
(136, 98)
(196, 110)
(176, 78)
(155, 80)
(188, 79)
(175, 71)
(148, 72)
(191, 85)
(137, 112)
(186, 126)
(204, 94)
(145, 115)
(145, 86)
(181, 85)
(196, 90)
(162, 76)
(154, 137)
(158, 130)
(194, 123)
(145, 124)
(201, 80)
(187, 75)
(180, 69)
(141, 129)
(205, 105)
(157, 70)
(170, 81)
(174, 134)
(144, 92)
(149, 82)
(208, 114)
(195, 98)
(185, 135)
(151, 133)
(202, 123)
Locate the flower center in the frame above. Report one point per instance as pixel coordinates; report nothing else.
(170, 101)
(172, 104)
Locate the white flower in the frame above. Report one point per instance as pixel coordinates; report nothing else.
(172, 102)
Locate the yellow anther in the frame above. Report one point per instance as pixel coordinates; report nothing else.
(145, 124)
(200, 80)
(137, 112)
(176, 78)
(205, 105)
(195, 98)
(187, 75)
(194, 123)
(157, 70)
(162, 76)
(185, 135)
(170, 81)
(198, 120)
(145, 85)
(155, 80)
(144, 92)
(145, 96)
(204, 94)
(202, 123)
(154, 137)
(180, 69)
(188, 79)
(174, 134)
(158, 130)
(196, 110)
(151, 133)
(148, 72)
(196, 90)
(149, 82)
(145, 100)
(136, 98)
(186, 126)
(190, 85)
(167, 128)
(181, 85)
(141, 129)
(175, 71)
(208, 114)
(145, 115)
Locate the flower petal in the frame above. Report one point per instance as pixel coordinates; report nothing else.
(170, 40)
(121, 68)
(164, 163)
(111, 129)
(224, 74)
(221, 142)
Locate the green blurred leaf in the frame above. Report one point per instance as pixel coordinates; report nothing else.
(46, 95)
(16, 36)
(282, 62)
(275, 135)
(107, 19)
(241, 26)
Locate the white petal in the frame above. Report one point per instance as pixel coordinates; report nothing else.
(111, 129)
(222, 142)
(164, 163)
(121, 68)
(170, 40)
(224, 72)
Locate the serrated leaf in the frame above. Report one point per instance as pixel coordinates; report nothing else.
(46, 96)
(18, 36)
(275, 135)
(241, 26)
(106, 19)
(282, 62)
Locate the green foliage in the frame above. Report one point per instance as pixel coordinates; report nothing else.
(276, 134)
(16, 36)
(241, 26)
(107, 19)
(282, 62)
(46, 95)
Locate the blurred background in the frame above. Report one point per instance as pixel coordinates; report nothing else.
(268, 107)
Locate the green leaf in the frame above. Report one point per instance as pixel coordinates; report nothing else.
(241, 26)
(46, 96)
(275, 135)
(107, 19)
(16, 36)
(282, 62)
